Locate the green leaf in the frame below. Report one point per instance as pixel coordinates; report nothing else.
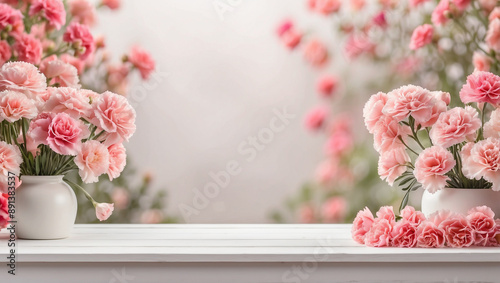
(404, 202)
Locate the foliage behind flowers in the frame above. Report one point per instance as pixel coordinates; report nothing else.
(428, 43)
(59, 109)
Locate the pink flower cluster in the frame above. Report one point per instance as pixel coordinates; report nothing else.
(441, 229)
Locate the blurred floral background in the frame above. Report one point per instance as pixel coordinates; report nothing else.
(252, 111)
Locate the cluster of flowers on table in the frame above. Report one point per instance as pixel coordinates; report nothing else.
(441, 229)
(59, 107)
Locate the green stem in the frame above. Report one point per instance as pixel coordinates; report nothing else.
(87, 195)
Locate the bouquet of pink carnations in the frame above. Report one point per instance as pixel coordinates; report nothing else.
(422, 143)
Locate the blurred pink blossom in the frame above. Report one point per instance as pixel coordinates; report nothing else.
(334, 210)
(80, 36)
(316, 118)
(142, 60)
(316, 53)
(112, 4)
(5, 52)
(493, 35)
(326, 85)
(441, 12)
(83, 12)
(28, 48)
(52, 10)
(421, 36)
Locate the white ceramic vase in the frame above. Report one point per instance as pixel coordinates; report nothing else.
(460, 200)
(45, 208)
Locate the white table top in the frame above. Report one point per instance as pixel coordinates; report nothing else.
(226, 243)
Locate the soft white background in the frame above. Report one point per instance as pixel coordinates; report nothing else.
(220, 79)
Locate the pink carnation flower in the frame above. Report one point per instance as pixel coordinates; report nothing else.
(431, 166)
(326, 172)
(39, 128)
(52, 10)
(387, 213)
(409, 100)
(5, 52)
(326, 85)
(392, 164)
(481, 61)
(482, 160)
(361, 225)
(117, 78)
(4, 210)
(339, 143)
(458, 232)
(455, 126)
(10, 159)
(28, 48)
(372, 111)
(68, 100)
(357, 45)
(380, 20)
(75, 62)
(112, 113)
(429, 235)
(334, 210)
(379, 234)
(439, 216)
(291, 38)
(493, 35)
(11, 17)
(410, 215)
(112, 4)
(492, 127)
(404, 235)
(421, 36)
(59, 72)
(83, 12)
(315, 118)
(15, 105)
(23, 77)
(482, 221)
(316, 53)
(65, 134)
(104, 210)
(439, 106)
(117, 160)
(481, 87)
(495, 14)
(440, 13)
(80, 36)
(92, 161)
(388, 134)
(142, 60)
(487, 5)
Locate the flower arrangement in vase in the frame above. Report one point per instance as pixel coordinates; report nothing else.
(56, 113)
(424, 143)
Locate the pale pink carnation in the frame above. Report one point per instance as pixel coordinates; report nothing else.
(404, 235)
(421, 36)
(92, 161)
(429, 235)
(80, 36)
(388, 134)
(52, 10)
(361, 225)
(5, 183)
(15, 105)
(458, 232)
(492, 127)
(117, 78)
(409, 100)
(65, 135)
(117, 160)
(392, 164)
(410, 215)
(316, 118)
(23, 77)
(482, 160)
(326, 85)
(455, 126)
(481, 61)
(10, 159)
(112, 113)
(379, 234)
(438, 107)
(372, 111)
(482, 221)
(439, 216)
(28, 48)
(83, 12)
(440, 13)
(76, 62)
(142, 60)
(104, 210)
(334, 210)
(5, 52)
(68, 100)
(90, 95)
(493, 35)
(11, 17)
(339, 143)
(112, 4)
(481, 87)
(39, 128)
(291, 38)
(443, 96)
(487, 5)
(316, 53)
(358, 44)
(59, 72)
(387, 213)
(431, 166)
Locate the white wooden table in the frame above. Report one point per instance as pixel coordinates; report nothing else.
(237, 253)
